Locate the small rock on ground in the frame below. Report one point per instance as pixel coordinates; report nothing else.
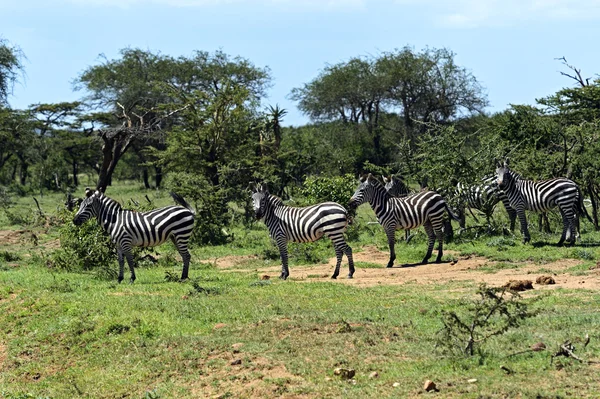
(545, 280)
(429, 386)
(519, 285)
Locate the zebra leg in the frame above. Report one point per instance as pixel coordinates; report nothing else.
(348, 252)
(182, 248)
(121, 264)
(566, 227)
(512, 216)
(390, 232)
(339, 253)
(130, 262)
(431, 241)
(283, 251)
(524, 228)
(439, 233)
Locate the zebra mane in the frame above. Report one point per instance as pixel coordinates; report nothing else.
(107, 201)
(274, 200)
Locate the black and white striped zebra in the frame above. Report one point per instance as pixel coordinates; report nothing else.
(483, 197)
(541, 196)
(424, 208)
(396, 187)
(129, 229)
(303, 224)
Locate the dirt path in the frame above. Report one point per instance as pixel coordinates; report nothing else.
(467, 268)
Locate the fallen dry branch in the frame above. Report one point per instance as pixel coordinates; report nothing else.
(567, 349)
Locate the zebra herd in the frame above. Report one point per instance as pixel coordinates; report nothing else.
(395, 206)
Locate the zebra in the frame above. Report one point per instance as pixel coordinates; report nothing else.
(306, 224)
(541, 196)
(140, 229)
(396, 187)
(483, 197)
(424, 208)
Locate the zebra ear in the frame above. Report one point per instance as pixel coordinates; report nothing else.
(88, 192)
(506, 162)
(386, 179)
(264, 189)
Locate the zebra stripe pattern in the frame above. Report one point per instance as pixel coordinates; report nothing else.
(307, 224)
(396, 187)
(541, 196)
(483, 197)
(129, 229)
(425, 208)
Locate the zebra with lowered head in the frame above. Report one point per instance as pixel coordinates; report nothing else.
(541, 196)
(425, 208)
(305, 224)
(129, 229)
(483, 196)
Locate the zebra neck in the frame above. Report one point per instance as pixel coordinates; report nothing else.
(379, 200)
(107, 213)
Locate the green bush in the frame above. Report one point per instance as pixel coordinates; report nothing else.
(84, 247)
(337, 189)
(211, 206)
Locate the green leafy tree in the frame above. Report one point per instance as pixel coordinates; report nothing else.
(10, 67)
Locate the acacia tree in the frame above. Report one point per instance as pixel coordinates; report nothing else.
(133, 107)
(212, 146)
(419, 87)
(10, 68)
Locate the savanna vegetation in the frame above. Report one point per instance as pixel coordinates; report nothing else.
(150, 123)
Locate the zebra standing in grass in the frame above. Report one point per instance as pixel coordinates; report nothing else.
(396, 187)
(305, 224)
(541, 196)
(483, 197)
(424, 208)
(130, 229)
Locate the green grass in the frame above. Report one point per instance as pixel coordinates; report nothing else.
(68, 334)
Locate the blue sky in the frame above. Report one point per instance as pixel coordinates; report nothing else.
(509, 45)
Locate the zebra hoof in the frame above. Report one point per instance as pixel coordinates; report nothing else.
(425, 261)
(183, 279)
(349, 277)
(120, 279)
(131, 280)
(390, 265)
(334, 276)
(283, 276)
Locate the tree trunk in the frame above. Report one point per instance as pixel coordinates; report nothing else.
(145, 178)
(112, 151)
(23, 173)
(14, 172)
(75, 166)
(158, 176)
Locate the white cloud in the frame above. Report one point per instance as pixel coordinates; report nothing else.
(477, 13)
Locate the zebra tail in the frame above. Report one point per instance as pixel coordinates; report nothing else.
(581, 205)
(452, 215)
(179, 199)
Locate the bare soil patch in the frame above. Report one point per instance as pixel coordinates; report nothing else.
(12, 237)
(227, 262)
(466, 268)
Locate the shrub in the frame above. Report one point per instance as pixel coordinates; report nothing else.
(85, 247)
(495, 312)
(211, 206)
(321, 189)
